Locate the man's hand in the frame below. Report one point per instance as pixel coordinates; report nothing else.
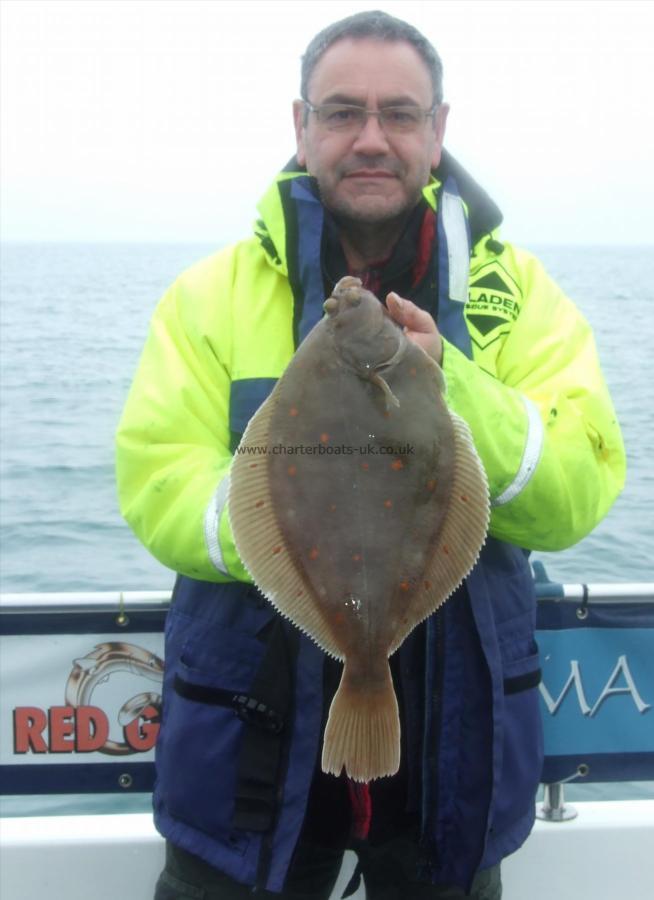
(418, 325)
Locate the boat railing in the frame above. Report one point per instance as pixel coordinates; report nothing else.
(82, 674)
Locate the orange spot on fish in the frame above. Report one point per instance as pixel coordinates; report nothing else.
(258, 504)
(397, 464)
(332, 507)
(464, 498)
(427, 585)
(314, 553)
(446, 550)
(431, 484)
(404, 585)
(292, 470)
(293, 411)
(387, 414)
(365, 466)
(388, 503)
(253, 465)
(413, 371)
(324, 437)
(357, 557)
(300, 594)
(276, 550)
(339, 618)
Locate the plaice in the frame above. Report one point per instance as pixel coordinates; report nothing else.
(358, 504)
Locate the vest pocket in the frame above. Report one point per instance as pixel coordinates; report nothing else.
(522, 674)
(523, 742)
(202, 732)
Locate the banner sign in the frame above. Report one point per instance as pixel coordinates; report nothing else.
(81, 696)
(79, 712)
(597, 692)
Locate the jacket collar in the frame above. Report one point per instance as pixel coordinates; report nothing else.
(483, 214)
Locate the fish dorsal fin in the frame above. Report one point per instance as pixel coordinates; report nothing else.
(259, 539)
(457, 546)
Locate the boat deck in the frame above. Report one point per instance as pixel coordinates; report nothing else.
(599, 855)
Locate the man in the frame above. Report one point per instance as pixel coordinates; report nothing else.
(240, 796)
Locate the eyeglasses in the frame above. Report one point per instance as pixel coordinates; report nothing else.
(352, 119)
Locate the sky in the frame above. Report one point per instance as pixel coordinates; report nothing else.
(159, 120)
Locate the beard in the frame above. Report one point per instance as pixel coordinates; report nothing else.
(368, 211)
(369, 203)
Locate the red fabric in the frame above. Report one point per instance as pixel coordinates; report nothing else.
(424, 248)
(371, 278)
(361, 803)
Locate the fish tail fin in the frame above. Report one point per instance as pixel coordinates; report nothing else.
(363, 730)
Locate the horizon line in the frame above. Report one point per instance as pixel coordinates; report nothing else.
(219, 243)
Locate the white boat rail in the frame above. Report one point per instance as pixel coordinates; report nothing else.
(151, 601)
(85, 601)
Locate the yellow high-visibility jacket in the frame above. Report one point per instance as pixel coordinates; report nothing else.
(533, 395)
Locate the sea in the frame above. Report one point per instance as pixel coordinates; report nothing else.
(73, 320)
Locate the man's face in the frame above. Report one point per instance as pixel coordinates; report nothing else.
(370, 176)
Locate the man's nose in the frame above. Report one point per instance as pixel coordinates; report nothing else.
(372, 138)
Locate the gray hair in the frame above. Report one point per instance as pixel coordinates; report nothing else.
(372, 24)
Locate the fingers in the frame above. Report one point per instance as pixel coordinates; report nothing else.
(406, 313)
(418, 325)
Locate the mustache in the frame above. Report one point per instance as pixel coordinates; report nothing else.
(378, 163)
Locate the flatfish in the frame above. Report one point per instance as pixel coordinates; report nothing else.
(358, 504)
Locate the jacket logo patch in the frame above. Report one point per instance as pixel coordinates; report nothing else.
(493, 304)
(486, 324)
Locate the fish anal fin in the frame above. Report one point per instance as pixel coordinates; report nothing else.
(457, 547)
(258, 536)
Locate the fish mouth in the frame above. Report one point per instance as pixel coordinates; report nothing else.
(346, 293)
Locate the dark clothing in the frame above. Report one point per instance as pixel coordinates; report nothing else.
(389, 873)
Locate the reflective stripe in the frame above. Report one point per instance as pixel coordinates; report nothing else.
(530, 457)
(458, 248)
(212, 525)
